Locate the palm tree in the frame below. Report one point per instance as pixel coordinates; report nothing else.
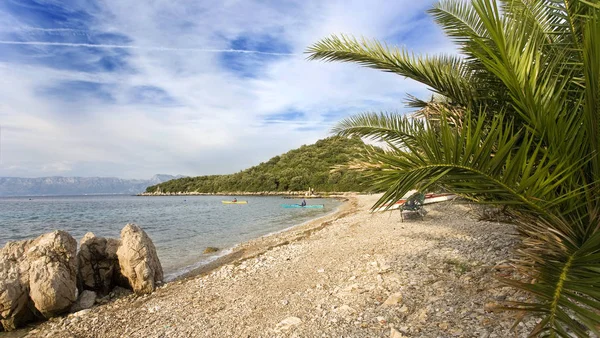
(515, 121)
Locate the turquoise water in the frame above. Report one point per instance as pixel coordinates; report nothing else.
(181, 227)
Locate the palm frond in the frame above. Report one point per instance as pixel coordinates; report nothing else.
(390, 128)
(485, 165)
(470, 157)
(445, 75)
(567, 288)
(518, 125)
(591, 69)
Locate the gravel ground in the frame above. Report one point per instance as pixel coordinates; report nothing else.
(356, 274)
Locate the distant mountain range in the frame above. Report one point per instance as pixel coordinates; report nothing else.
(56, 185)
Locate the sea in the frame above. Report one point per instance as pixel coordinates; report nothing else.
(181, 227)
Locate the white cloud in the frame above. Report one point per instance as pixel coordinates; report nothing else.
(215, 122)
(150, 48)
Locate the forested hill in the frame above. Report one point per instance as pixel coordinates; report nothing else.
(296, 170)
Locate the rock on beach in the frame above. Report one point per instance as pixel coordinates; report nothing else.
(14, 285)
(98, 263)
(138, 260)
(53, 273)
(85, 301)
(42, 278)
(37, 277)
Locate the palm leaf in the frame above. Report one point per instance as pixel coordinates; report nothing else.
(446, 75)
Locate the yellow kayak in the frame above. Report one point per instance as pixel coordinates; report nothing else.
(232, 202)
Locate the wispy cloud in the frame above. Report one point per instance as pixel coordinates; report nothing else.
(148, 48)
(120, 88)
(44, 30)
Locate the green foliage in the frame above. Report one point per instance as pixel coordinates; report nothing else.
(516, 122)
(297, 170)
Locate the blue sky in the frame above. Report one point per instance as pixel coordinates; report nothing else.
(132, 88)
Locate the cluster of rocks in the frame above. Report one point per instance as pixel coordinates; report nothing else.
(45, 277)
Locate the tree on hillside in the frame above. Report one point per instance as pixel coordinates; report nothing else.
(515, 121)
(297, 170)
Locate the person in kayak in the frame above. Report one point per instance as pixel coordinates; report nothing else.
(303, 204)
(234, 199)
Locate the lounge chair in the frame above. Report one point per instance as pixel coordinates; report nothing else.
(413, 204)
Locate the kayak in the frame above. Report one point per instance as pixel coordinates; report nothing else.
(232, 202)
(308, 206)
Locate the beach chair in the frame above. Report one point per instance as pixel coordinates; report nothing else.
(413, 204)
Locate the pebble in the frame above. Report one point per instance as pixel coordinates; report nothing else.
(288, 323)
(395, 333)
(393, 299)
(81, 313)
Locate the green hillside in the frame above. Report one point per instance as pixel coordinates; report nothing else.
(296, 170)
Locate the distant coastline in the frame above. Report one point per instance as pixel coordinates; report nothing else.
(77, 186)
(297, 194)
(71, 195)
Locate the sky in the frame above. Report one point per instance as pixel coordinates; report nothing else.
(129, 88)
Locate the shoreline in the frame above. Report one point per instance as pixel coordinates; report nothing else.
(284, 194)
(237, 254)
(352, 273)
(257, 246)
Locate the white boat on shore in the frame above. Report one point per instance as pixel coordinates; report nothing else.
(429, 199)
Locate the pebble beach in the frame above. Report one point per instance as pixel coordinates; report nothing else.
(351, 274)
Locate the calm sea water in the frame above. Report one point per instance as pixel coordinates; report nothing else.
(181, 227)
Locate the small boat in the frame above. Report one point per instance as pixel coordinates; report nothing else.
(232, 202)
(308, 206)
